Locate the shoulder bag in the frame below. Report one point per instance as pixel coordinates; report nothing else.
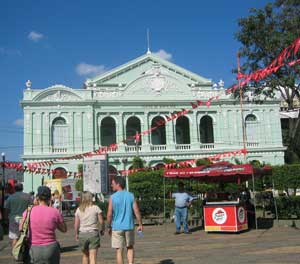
(20, 251)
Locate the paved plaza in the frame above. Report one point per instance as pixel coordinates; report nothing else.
(160, 246)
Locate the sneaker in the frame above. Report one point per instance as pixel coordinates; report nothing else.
(188, 233)
(177, 233)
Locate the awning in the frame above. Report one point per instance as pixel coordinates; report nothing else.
(218, 172)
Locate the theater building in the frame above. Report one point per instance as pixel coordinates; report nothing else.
(60, 121)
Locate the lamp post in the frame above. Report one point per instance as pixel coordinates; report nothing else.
(3, 182)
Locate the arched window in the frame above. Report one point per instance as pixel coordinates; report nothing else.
(108, 131)
(60, 173)
(206, 130)
(158, 136)
(182, 130)
(59, 134)
(251, 127)
(133, 126)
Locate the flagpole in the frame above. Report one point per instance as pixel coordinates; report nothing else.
(241, 107)
(137, 140)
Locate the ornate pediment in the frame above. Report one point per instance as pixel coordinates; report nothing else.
(57, 93)
(157, 82)
(147, 64)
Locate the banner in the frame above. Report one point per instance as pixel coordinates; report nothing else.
(95, 174)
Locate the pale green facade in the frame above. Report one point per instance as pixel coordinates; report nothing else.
(60, 121)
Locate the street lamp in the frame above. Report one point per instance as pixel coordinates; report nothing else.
(3, 183)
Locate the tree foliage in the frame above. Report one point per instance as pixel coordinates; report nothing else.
(137, 163)
(200, 162)
(263, 35)
(287, 177)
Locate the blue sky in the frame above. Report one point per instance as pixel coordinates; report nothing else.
(65, 42)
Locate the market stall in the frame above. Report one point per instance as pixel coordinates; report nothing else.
(221, 213)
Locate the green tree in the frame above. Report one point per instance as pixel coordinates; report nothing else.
(200, 162)
(263, 35)
(168, 161)
(287, 177)
(137, 163)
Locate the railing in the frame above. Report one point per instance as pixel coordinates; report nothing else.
(182, 146)
(158, 147)
(59, 150)
(252, 144)
(132, 148)
(207, 146)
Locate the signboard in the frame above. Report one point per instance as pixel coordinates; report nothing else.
(230, 218)
(65, 187)
(95, 174)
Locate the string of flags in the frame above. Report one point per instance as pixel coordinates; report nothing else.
(188, 163)
(18, 166)
(137, 136)
(258, 75)
(273, 67)
(46, 171)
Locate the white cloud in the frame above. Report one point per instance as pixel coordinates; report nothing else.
(35, 36)
(163, 54)
(84, 69)
(19, 122)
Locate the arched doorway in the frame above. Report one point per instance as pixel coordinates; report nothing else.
(182, 130)
(158, 136)
(133, 126)
(60, 173)
(206, 130)
(108, 131)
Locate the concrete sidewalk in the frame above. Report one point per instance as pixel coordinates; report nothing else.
(160, 246)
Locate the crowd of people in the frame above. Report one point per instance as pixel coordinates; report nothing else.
(45, 217)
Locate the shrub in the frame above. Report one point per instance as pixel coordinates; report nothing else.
(287, 207)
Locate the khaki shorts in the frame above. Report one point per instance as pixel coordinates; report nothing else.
(120, 239)
(89, 241)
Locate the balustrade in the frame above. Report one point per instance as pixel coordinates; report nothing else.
(158, 147)
(207, 146)
(182, 146)
(59, 150)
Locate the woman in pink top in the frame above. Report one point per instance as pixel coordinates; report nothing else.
(44, 220)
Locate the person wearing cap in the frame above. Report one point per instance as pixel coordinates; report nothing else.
(15, 205)
(43, 222)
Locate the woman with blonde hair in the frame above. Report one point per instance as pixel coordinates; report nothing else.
(56, 200)
(87, 219)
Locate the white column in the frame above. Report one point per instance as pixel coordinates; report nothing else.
(27, 133)
(194, 131)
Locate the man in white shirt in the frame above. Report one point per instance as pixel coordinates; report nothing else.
(182, 201)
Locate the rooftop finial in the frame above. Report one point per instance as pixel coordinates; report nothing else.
(28, 84)
(148, 42)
